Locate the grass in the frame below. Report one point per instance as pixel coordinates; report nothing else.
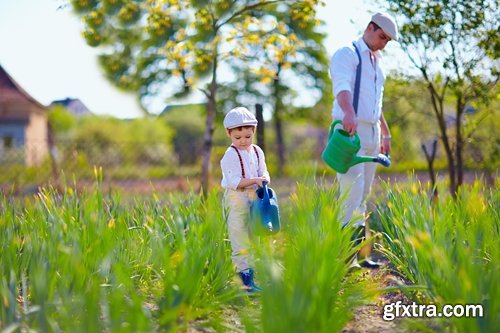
(449, 246)
(94, 261)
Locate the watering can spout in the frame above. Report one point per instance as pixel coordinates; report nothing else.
(362, 159)
(385, 160)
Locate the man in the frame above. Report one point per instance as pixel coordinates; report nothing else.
(362, 115)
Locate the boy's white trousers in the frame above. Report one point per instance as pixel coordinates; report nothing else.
(237, 207)
(355, 184)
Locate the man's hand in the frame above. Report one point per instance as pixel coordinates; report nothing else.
(385, 145)
(350, 123)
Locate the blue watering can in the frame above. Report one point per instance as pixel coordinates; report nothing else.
(264, 212)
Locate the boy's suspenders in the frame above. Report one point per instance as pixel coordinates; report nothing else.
(241, 160)
(357, 83)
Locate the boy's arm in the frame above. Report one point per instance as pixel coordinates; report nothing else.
(245, 182)
(231, 169)
(263, 166)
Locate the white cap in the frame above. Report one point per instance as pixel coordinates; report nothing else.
(387, 23)
(239, 116)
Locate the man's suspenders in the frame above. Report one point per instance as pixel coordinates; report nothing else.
(357, 83)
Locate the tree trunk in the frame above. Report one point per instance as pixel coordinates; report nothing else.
(438, 105)
(260, 128)
(460, 143)
(278, 125)
(209, 131)
(280, 144)
(430, 161)
(449, 155)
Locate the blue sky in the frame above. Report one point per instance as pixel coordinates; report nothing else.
(42, 49)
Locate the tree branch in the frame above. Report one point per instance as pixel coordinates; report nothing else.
(244, 9)
(204, 91)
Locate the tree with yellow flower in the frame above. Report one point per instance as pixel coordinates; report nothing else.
(177, 46)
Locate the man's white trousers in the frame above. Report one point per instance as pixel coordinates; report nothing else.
(355, 184)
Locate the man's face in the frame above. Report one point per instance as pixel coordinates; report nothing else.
(242, 137)
(376, 39)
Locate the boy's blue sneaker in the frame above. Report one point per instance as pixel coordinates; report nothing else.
(247, 279)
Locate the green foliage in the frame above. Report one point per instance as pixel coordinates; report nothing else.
(449, 246)
(158, 43)
(86, 261)
(452, 45)
(184, 44)
(82, 262)
(188, 123)
(309, 288)
(483, 141)
(111, 141)
(410, 119)
(90, 261)
(19, 176)
(61, 120)
(82, 6)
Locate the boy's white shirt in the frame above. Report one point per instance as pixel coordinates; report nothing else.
(231, 168)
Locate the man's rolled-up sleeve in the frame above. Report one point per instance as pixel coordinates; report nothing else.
(342, 70)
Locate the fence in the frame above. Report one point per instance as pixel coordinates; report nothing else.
(147, 164)
(137, 161)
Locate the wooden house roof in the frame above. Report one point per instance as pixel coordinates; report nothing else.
(11, 92)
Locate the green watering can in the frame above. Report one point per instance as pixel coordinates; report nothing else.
(341, 149)
(264, 212)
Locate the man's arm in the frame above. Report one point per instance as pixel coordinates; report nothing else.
(350, 123)
(342, 71)
(385, 144)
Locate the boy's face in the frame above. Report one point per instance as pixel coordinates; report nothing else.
(242, 137)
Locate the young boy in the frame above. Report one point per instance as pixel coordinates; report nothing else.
(243, 169)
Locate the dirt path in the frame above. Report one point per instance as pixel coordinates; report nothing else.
(369, 318)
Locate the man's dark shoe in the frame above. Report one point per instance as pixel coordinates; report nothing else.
(358, 235)
(367, 263)
(354, 266)
(248, 281)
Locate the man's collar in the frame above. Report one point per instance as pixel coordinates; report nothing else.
(363, 47)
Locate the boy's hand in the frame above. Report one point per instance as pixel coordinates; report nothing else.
(259, 180)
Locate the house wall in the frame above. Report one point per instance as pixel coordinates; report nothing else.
(36, 138)
(26, 122)
(12, 130)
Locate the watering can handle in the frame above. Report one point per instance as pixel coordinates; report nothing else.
(332, 127)
(265, 191)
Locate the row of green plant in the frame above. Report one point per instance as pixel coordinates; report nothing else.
(88, 262)
(450, 247)
(96, 261)
(82, 262)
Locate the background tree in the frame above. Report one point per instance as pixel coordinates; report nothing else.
(160, 48)
(455, 46)
(284, 63)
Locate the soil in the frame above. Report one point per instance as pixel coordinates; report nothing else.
(369, 318)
